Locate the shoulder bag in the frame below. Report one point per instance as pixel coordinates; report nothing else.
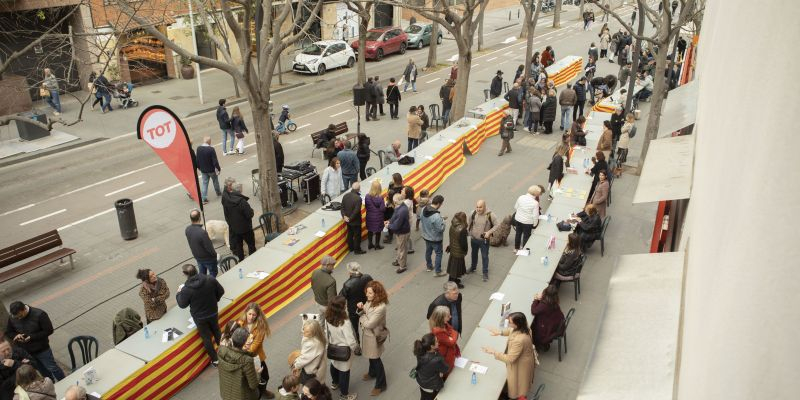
(336, 352)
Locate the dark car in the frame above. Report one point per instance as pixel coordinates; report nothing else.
(382, 42)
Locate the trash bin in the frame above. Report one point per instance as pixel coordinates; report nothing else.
(30, 131)
(127, 219)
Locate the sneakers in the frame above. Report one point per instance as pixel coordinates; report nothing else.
(471, 271)
(395, 263)
(351, 396)
(214, 364)
(429, 269)
(485, 278)
(400, 270)
(334, 386)
(439, 274)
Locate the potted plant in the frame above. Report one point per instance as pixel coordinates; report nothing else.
(187, 71)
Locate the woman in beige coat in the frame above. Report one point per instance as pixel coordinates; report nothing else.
(414, 128)
(311, 361)
(600, 196)
(604, 143)
(520, 356)
(372, 318)
(340, 333)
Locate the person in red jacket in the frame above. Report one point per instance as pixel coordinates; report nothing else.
(547, 317)
(548, 56)
(446, 335)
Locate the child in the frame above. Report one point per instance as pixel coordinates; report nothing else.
(289, 388)
(424, 200)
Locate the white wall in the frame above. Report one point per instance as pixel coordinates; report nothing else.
(741, 334)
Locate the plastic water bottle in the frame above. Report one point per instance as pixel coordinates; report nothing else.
(474, 379)
(146, 333)
(241, 274)
(322, 222)
(585, 163)
(546, 261)
(549, 217)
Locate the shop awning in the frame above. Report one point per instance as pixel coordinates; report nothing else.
(636, 348)
(680, 109)
(667, 170)
(126, 24)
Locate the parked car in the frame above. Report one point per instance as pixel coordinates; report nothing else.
(420, 35)
(382, 42)
(324, 55)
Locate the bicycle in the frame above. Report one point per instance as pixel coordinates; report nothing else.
(288, 125)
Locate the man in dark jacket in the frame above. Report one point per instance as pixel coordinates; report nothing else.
(393, 97)
(497, 85)
(279, 158)
(445, 96)
(400, 227)
(351, 213)
(451, 299)
(567, 100)
(372, 108)
(200, 244)
(201, 293)
(103, 87)
(239, 216)
(208, 164)
(224, 121)
(580, 97)
(379, 96)
(12, 358)
(433, 233)
(514, 103)
(29, 328)
(353, 292)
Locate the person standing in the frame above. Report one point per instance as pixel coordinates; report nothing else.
(433, 234)
(393, 97)
(507, 125)
(154, 293)
(410, 75)
(351, 214)
(548, 56)
(456, 267)
(580, 98)
(519, 355)
(239, 129)
(311, 361)
(332, 183)
(600, 196)
(549, 111)
(567, 100)
(30, 328)
(50, 87)
(426, 122)
(616, 122)
(200, 244)
(375, 207)
(238, 376)
(255, 322)
(349, 164)
(379, 95)
(514, 103)
(600, 164)
(103, 87)
(674, 7)
(534, 105)
(208, 164)
(279, 158)
(372, 319)
(606, 138)
(446, 93)
(395, 187)
(225, 126)
(625, 138)
(410, 200)
(239, 216)
(526, 215)
(363, 153)
(414, 128)
(496, 88)
(323, 284)
(593, 54)
(353, 291)
(372, 100)
(633, 15)
(451, 298)
(605, 40)
(340, 333)
(201, 293)
(430, 368)
(556, 167)
(481, 226)
(400, 227)
(446, 336)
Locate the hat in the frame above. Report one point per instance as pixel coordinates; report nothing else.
(499, 72)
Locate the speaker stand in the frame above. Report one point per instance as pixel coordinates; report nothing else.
(358, 120)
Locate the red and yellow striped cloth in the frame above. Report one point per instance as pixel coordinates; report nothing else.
(175, 368)
(487, 128)
(568, 73)
(604, 106)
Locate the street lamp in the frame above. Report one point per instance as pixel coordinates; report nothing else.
(194, 46)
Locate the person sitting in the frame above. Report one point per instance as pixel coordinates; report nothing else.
(589, 227)
(392, 153)
(646, 81)
(547, 317)
(32, 386)
(570, 260)
(327, 136)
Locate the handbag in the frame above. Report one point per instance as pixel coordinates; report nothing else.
(413, 373)
(381, 339)
(44, 92)
(563, 226)
(406, 160)
(336, 352)
(240, 135)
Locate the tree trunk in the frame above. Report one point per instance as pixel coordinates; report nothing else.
(480, 34)
(268, 174)
(637, 48)
(460, 98)
(530, 24)
(362, 48)
(656, 103)
(557, 15)
(582, 10)
(433, 47)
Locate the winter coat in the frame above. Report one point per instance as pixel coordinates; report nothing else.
(279, 157)
(547, 319)
(410, 73)
(441, 300)
(426, 122)
(513, 99)
(448, 344)
(430, 366)
(222, 117)
(43, 389)
(556, 169)
(238, 379)
(604, 143)
(577, 136)
(497, 86)
(534, 104)
(256, 341)
(605, 39)
(458, 240)
(362, 151)
(568, 263)
(399, 224)
(568, 98)
(432, 224)
(549, 107)
(369, 87)
(201, 293)
(379, 97)
(580, 92)
(375, 207)
(155, 305)
(37, 325)
(589, 228)
(519, 361)
(238, 213)
(349, 162)
(312, 358)
(393, 93)
(527, 209)
(414, 126)
(238, 126)
(600, 197)
(593, 53)
(323, 285)
(372, 321)
(127, 322)
(351, 207)
(342, 336)
(206, 159)
(625, 138)
(547, 58)
(353, 291)
(332, 183)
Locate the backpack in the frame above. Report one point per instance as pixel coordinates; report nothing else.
(632, 133)
(472, 220)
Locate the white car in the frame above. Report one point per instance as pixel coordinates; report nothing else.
(324, 55)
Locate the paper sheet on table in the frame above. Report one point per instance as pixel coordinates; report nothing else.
(461, 362)
(320, 234)
(429, 158)
(497, 296)
(523, 252)
(95, 394)
(477, 368)
(257, 275)
(452, 141)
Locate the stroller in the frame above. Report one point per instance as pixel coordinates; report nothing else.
(122, 92)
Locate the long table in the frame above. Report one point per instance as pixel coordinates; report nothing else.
(610, 103)
(112, 367)
(565, 69)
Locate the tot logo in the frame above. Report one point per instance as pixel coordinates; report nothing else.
(159, 129)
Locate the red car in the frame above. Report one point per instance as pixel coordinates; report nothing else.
(383, 41)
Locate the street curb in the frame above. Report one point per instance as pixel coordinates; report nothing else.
(240, 100)
(47, 152)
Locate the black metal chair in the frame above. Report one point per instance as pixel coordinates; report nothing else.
(227, 263)
(436, 116)
(86, 344)
(381, 157)
(575, 279)
(505, 87)
(371, 170)
(603, 235)
(538, 394)
(563, 335)
(325, 199)
(485, 95)
(256, 184)
(269, 226)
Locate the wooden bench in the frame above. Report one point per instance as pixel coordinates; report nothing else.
(341, 128)
(31, 248)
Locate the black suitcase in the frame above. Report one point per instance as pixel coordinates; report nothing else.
(310, 187)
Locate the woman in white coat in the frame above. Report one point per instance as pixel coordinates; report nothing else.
(340, 333)
(311, 361)
(332, 183)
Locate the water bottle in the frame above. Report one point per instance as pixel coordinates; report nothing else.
(146, 333)
(546, 261)
(322, 222)
(474, 379)
(549, 217)
(585, 163)
(241, 274)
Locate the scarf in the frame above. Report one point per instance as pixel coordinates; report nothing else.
(152, 288)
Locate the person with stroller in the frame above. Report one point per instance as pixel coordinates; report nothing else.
(103, 87)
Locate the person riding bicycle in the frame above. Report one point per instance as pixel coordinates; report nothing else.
(283, 119)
